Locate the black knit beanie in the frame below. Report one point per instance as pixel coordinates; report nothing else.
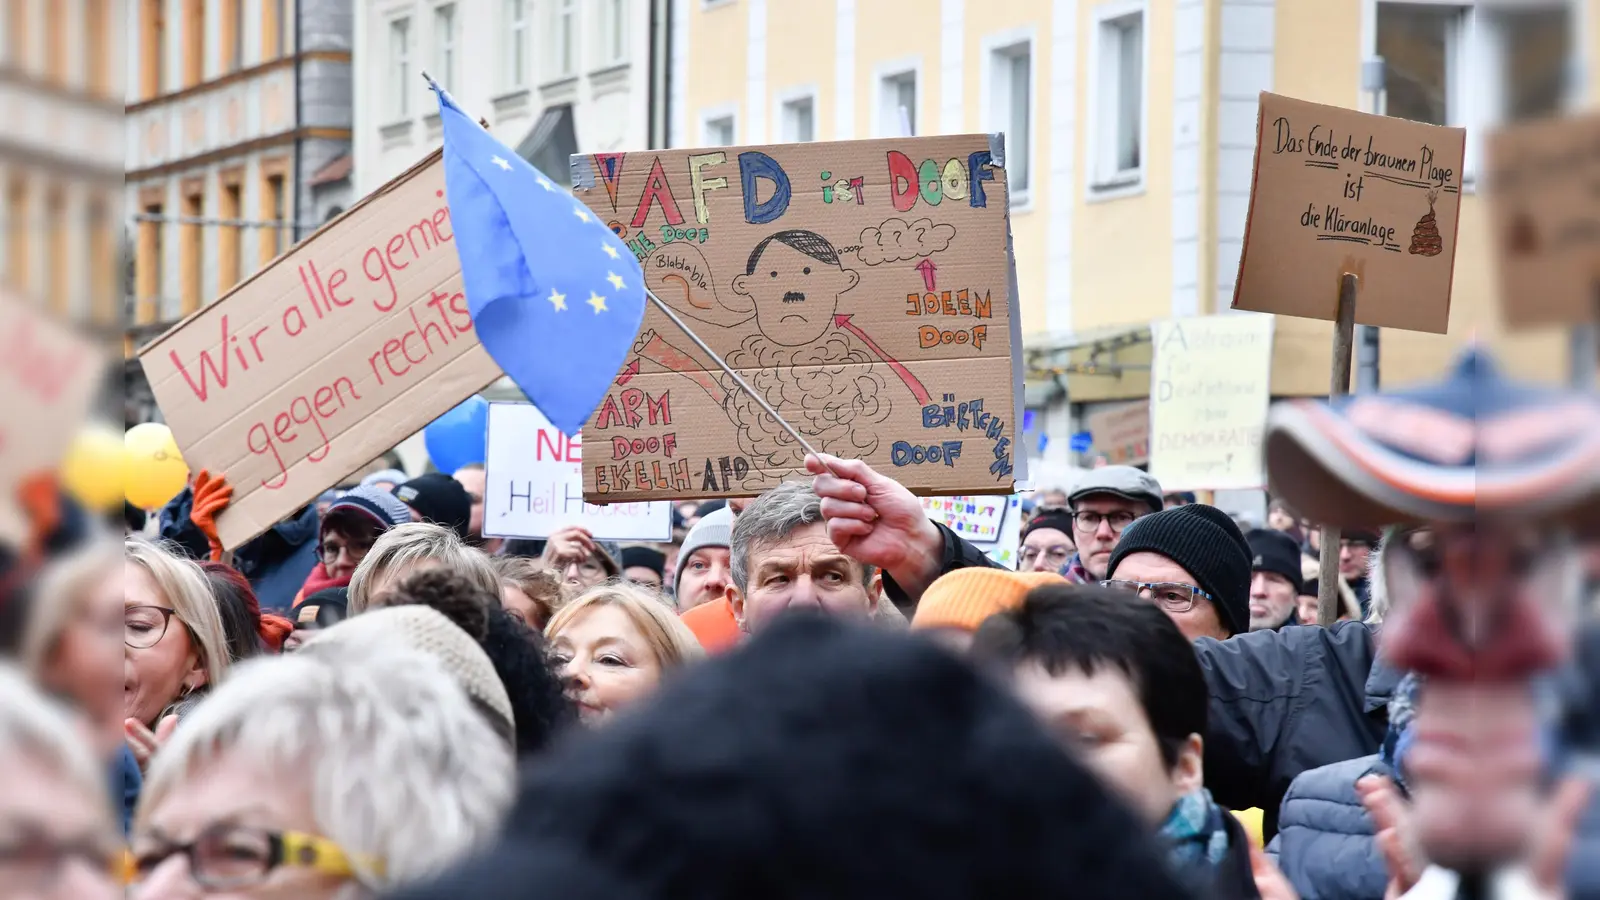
(1059, 519)
(1206, 542)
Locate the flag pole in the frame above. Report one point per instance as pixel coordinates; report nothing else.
(705, 348)
(737, 378)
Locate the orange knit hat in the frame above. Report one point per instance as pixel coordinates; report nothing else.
(964, 598)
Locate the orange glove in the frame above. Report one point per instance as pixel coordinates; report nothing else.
(40, 499)
(211, 496)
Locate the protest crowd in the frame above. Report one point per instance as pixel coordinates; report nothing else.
(817, 689)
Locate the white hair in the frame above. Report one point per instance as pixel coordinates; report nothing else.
(400, 767)
(33, 725)
(65, 586)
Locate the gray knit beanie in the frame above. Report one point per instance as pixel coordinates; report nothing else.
(715, 530)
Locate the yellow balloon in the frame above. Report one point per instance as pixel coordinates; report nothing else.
(92, 469)
(155, 469)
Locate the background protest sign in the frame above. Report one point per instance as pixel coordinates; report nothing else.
(353, 340)
(1545, 215)
(863, 287)
(1209, 391)
(993, 523)
(1120, 433)
(534, 484)
(48, 379)
(1338, 191)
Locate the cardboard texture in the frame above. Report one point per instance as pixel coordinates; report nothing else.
(863, 287)
(1209, 391)
(534, 484)
(1120, 433)
(48, 379)
(1336, 191)
(353, 340)
(1544, 213)
(992, 523)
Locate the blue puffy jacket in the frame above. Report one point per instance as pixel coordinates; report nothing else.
(1325, 843)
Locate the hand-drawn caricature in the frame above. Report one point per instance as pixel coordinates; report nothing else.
(794, 279)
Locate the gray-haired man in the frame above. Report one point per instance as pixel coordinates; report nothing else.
(782, 559)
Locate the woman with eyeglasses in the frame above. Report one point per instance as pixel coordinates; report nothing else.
(321, 777)
(348, 530)
(174, 648)
(58, 838)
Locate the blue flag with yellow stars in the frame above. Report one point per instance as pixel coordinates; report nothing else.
(555, 296)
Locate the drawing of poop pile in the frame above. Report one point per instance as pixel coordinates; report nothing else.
(1425, 238)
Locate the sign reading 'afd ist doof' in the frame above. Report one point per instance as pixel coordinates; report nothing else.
(864, 288)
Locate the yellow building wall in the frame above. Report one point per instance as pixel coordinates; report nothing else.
(1122, 248)
(800, 51)
(718, 44)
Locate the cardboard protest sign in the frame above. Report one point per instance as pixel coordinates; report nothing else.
(1209, 391)
(1120, 432)
(350, 342)
(864, 288)
(1544, 213)
(534, 484)
(1338, 191)
(993, 523)
(48, 379)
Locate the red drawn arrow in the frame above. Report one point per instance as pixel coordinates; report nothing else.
(628, 371)
(917, 390)
(926, 267)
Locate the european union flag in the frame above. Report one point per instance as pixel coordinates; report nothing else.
(555, 296)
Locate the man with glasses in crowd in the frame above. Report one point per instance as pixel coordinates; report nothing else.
(1193, 563)
(1047, 544)
(1105, 502)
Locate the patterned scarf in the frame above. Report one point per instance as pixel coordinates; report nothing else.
(1075, 573)
(1400, 736)
(1196, 832)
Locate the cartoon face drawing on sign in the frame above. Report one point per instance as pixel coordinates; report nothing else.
(794, 279)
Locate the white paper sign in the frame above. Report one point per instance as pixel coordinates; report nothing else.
(534, 484)
(993, 523)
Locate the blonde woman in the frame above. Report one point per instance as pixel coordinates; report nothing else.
(72, 637)
(173, 644)
(612, 645)
(408, 548)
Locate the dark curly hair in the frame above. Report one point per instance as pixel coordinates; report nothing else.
(538, 697)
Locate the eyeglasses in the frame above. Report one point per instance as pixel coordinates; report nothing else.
(357, 549)
(1056, 556)
(32, 863)
(588, 567)
(143, 627)
(1088, 522)
(230, 857)
(1173, 596)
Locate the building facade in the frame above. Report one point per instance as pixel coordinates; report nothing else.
(551, 77)
(233, 106)
(60, 160)
(1130, 138)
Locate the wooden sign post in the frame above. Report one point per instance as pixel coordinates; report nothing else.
(1348, 206)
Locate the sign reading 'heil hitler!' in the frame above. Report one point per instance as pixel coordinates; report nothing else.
(863, 288)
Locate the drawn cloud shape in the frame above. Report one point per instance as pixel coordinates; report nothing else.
(897, 240)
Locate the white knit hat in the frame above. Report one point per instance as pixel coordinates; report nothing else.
(424, 629)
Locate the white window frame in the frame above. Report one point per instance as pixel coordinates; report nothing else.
(1104, 184)
(446, 47)
(400, 68)
(556, 9)
(715, 4)
(886, 116)
(1473, 100)
(995, 105)
(606, 34)
(516, 33)
(729, 111)
(782, 102)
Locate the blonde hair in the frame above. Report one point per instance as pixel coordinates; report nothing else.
(537, 581)
(184, 585)
(672, 642)
(64, 587)
(32, 724)
(402, 771)
(406, 546)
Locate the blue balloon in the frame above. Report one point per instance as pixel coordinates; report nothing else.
(458, 437)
